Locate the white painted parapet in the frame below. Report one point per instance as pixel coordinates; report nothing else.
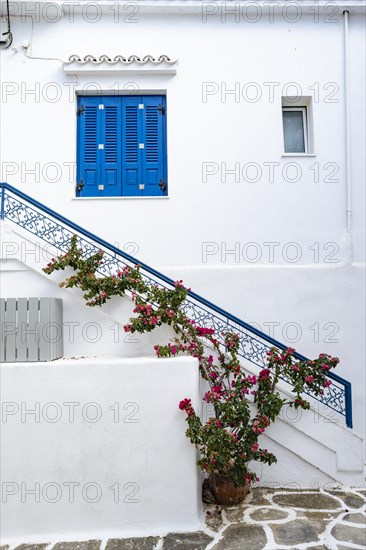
(96, 448)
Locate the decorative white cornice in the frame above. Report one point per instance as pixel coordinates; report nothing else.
(105, 64)
(121, 58)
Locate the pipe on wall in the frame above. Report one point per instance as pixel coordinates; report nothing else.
(347, 121)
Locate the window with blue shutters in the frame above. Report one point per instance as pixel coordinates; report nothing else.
(121, 146)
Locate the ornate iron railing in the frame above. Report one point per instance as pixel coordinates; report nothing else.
(56, 230)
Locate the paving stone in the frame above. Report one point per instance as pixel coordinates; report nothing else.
(258, 496)
(345, 533)
(311, 501)
(84, 545)
(350, 499)
(318, 520)
(189, 541)
(32, 546)
(235, 513)
(355, 518)
(267, 514)
(242, 537)
(142, 543)
(214, 519)
(294, 532)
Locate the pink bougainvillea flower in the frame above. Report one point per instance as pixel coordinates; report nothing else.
(264, 374)
(204, 331)
(184, 403)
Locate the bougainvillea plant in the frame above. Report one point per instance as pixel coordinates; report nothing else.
(244, 405)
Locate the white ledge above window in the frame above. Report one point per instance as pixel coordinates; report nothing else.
(119, 64)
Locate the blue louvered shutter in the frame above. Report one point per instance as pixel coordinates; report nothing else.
(99, 146)
(131, 152)
(88, 154)
(153, 165)
(121, 146)
(111, 154)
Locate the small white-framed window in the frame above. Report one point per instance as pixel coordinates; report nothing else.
(297, 126)
(295, 129)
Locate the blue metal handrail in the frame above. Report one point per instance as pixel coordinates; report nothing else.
(254, 342)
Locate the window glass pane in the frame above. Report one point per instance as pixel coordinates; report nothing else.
(293, 128)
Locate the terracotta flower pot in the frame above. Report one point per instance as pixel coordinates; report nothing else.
(224, 490)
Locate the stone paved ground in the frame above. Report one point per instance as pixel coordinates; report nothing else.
(268, 519)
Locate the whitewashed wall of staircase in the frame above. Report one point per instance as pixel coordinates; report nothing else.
(94, 451)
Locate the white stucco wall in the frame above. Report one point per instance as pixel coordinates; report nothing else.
(295, 270)
(104, 450)
(205, 125)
